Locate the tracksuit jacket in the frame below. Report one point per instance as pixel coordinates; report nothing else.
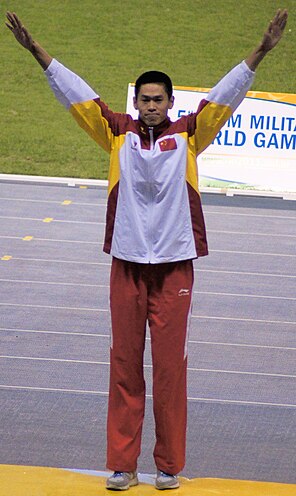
(154, 212)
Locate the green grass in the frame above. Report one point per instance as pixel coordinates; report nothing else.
(109, 44)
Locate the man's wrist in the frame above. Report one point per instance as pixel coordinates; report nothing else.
(256, 57)
(34, 48)
(42, 57)
(262, 50)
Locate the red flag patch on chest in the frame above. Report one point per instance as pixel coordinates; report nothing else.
(167, 144)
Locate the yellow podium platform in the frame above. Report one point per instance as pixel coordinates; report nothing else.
(42, 481)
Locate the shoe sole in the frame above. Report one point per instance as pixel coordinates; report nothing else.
(163, 488)
(114, 487)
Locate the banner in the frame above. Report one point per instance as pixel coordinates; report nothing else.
(256, 149)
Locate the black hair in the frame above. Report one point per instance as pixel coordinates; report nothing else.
(154, 77)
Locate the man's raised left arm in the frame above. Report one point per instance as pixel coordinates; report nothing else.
(270, 39)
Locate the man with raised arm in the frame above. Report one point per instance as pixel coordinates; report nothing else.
(154, 231)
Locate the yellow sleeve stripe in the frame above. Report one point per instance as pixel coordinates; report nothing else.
(208, 122)
(114, 169)
(191, 166)
(191, 171)
(89, 117)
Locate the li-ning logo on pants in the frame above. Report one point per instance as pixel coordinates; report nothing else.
(184, 292)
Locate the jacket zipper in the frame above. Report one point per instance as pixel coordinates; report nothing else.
(151, 138)
(150, 242)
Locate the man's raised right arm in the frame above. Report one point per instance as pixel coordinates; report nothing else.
(70, 89)
(25, 39)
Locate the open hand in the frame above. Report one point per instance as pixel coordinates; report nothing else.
(275, 30)
(20, 32)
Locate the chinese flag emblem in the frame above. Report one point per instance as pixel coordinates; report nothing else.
(167, 144)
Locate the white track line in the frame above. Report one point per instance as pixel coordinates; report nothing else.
(213, 231)
(241, 319)
(149, 396)
(100, 243)
(84, 222)
(21, 238)
(265, 254)
(72, 241)
(46, 260)
(107, 336)
(242, 345)
(240, 402)
(245, 233)
(106, 286)
(242, 273)
(52, 283)
(58, 360)
(240, 372)
(218, 271)
(104, 204)
(81, 262)
(239, 214)
(243, 295)
(56, 202)
(65, 333)
(80, 309)
(33, 388)
(54, 220)
(207, 317)
(205, 210)
(146, 366)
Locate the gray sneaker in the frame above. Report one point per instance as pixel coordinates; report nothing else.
(120, 481)
(166, 481)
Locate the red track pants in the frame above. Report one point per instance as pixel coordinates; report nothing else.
(160, 294)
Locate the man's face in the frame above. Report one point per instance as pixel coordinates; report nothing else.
(153, 103)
